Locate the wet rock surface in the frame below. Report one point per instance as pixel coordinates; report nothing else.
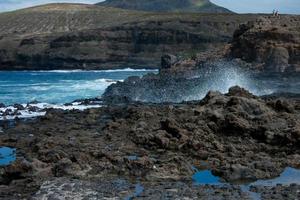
(237, 135)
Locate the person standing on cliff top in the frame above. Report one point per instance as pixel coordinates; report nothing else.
(277, 14)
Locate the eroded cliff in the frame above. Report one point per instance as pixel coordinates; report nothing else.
(72, 36)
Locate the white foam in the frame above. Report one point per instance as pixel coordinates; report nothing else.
(98, 84)
(80, 70)
(26, 113)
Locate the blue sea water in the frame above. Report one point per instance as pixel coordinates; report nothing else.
(58, 86)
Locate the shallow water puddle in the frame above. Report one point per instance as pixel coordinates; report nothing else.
(132, 157)
(205, 177)
(137, 191)
(7, 156)
(287, 177)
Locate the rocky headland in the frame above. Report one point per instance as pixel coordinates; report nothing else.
(272, 43)
(78, 36)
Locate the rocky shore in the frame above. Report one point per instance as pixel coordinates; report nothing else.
(154, 137)
(152, 150)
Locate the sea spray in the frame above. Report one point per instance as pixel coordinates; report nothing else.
(174, 86)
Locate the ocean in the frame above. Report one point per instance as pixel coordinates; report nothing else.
(58, 86)
(37, 91)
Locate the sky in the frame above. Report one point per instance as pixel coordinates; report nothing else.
(239, 6)
(260, 6)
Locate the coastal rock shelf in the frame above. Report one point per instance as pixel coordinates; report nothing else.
(238, 136)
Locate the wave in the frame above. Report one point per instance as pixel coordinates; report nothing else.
(97, 85)
(96, 71)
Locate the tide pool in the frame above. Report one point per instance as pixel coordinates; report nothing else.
(7, 156)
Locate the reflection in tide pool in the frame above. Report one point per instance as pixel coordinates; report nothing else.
(7, 156)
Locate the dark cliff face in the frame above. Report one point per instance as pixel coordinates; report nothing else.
(202, 6)
(94, 37)
(134, 45)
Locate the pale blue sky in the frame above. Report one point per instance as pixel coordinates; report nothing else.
(260, 6)
(239, 6)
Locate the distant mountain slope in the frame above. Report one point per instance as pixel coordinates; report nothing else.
(201, 6)
(79, 36)
(62, 17)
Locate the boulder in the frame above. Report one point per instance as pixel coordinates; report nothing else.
(167, 61)
(277, 59)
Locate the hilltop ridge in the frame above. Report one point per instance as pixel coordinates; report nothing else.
(198, 6)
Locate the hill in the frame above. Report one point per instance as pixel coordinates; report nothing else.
(73, 36)
(199, 6)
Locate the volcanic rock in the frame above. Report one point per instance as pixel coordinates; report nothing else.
(271, 41)
(237, 135)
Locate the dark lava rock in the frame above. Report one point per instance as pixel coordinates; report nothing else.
(19, 106)
(278, 192)
(8, 112)
(167, 61)
(33, 108)
(237, 135)
(238, 91)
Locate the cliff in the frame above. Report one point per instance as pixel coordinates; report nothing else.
(272, 43)
(72, 36)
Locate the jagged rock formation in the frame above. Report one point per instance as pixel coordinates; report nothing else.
(202, 6)
(237, 135)
(68, 36)
(271, 42)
